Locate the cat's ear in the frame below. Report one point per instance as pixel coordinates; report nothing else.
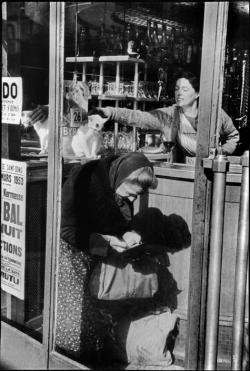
(96, 122)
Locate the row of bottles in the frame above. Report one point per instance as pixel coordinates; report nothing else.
(156, 41)
(236, 93)
(103, 43)
(236, 81)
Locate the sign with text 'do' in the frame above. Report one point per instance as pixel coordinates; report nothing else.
(12, 100)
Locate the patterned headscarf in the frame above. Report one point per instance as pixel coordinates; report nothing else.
(124, 165)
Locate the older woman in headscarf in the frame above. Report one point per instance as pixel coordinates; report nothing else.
(97, 198)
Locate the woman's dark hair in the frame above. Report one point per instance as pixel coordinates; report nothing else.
(192, 78)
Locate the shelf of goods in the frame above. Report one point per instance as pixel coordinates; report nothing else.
(116, 95)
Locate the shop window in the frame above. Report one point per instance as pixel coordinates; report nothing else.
(24, 169)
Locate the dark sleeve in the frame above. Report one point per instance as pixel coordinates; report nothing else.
(104, 214)
(94, 206)
(68, 215)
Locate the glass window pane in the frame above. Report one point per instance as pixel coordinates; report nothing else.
(24, 167)
(87, 329)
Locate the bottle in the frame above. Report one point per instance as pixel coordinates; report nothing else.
(172, 38)
(131, 46)
(126, 38)
(137, 39)
(102, 41)
(174, 45)
(155, 34)
(164, 36)
(149, 35)
(118, 43)
(142, 50)
(83, 47)
(181, 41)
(160, 36)
(189, 54)
(112, 41)
(234, 63)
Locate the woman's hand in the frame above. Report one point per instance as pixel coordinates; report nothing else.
(104, 112)
(116, 243)
(131, 238)
(40, 113)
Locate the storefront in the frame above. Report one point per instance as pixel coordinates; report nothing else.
(124, 55)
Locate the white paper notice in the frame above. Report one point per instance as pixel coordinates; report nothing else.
(12, 100)
(13, 211)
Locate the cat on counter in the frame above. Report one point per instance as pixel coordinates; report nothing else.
(41, 126)
(88, 140)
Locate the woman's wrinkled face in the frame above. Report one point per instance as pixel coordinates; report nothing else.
(129, 190)
(185, 94)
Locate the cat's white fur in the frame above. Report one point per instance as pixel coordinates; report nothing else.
(42, 130)
(88, 141)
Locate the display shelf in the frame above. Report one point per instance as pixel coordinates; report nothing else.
(117, 59)
(81, 59)
(105, 58)
(115, 97)
(120, 58)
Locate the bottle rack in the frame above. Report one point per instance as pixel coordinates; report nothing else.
(117, 60)
(116, 97)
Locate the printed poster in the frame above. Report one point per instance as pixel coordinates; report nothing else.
(13, 211)
(12, 100)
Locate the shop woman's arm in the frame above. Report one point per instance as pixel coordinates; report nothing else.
(158, 119)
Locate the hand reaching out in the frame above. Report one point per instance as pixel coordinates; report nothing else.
(104, 112)
(40, 113)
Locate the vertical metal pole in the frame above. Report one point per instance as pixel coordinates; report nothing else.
(117, 88)
(101, 79)
(219, 167)
(5, 133)
(56, 88)
(241, 267)
(211, 78)
(136, 80)
(4, 39)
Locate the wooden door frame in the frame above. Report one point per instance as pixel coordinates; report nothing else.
(18, 350)
(211, 86)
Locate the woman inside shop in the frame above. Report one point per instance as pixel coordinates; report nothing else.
(178, 122)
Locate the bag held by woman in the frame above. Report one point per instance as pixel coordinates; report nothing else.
(137, 279)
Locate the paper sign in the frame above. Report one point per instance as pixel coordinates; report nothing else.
(12, 100)
(75, 112)
(13, 211)
(76, 96)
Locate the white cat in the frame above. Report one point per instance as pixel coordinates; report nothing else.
(41, 128)
(88, 141)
